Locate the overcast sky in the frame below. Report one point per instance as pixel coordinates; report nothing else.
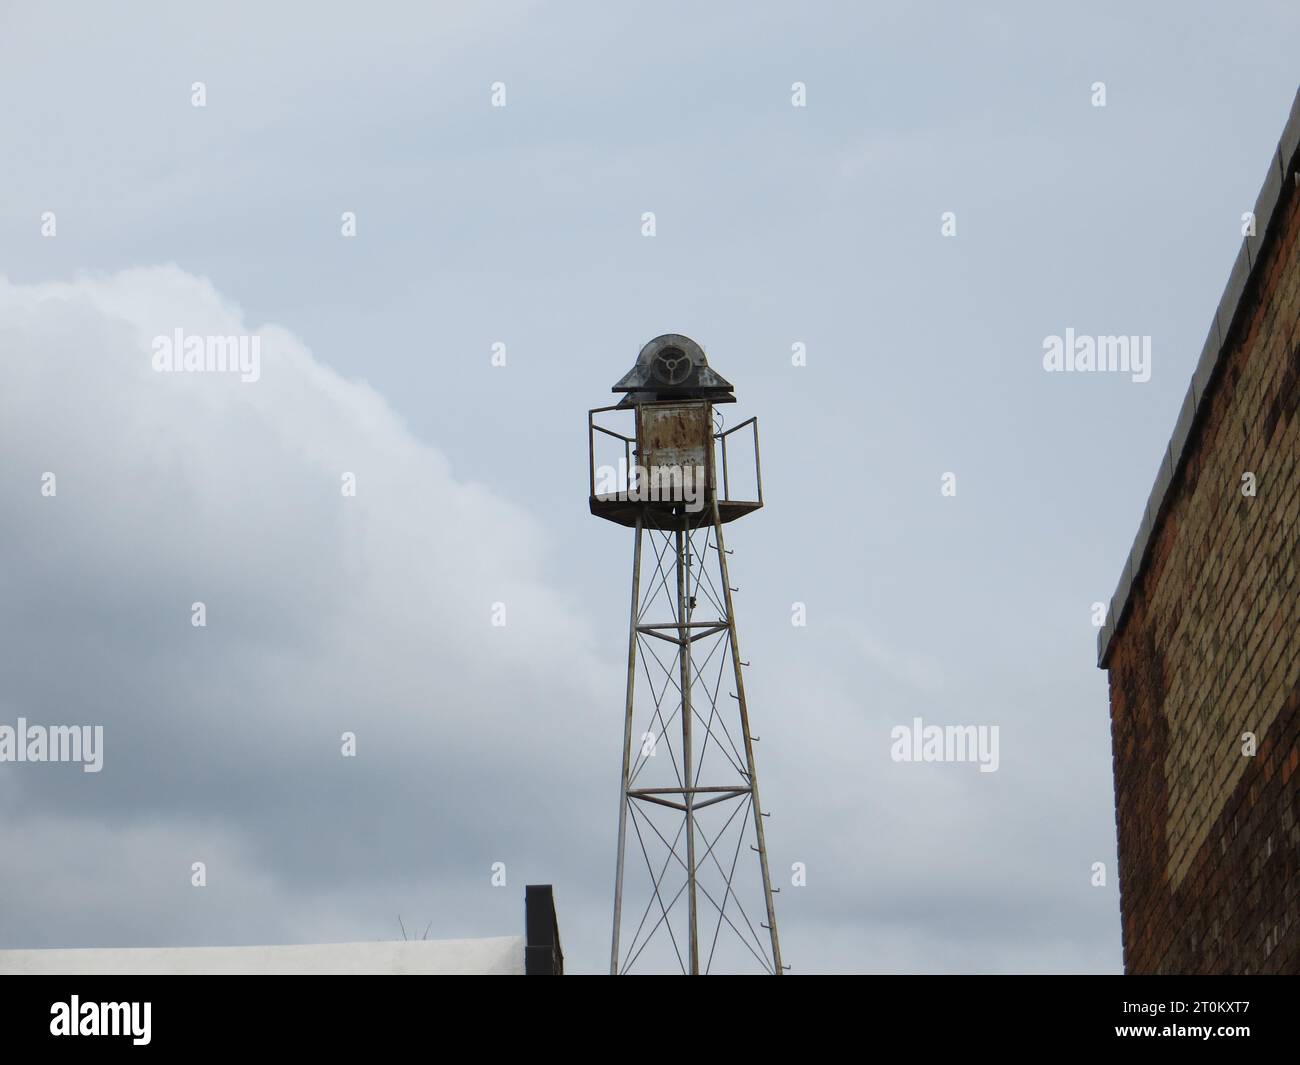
(776, 225)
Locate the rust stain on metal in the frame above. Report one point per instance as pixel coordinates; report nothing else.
(674, 434)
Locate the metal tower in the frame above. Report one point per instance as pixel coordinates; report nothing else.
(692, 891)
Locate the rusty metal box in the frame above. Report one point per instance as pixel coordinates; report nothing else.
(675, 442)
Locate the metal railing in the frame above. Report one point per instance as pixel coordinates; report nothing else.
(629, 444)
(724, 447)
(721, 438)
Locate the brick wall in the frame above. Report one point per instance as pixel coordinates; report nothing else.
(1209, 648)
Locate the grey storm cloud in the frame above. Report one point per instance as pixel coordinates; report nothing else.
(325, 612)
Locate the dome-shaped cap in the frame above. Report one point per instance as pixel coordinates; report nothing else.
(673, 366)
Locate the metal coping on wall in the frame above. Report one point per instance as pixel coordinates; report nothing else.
(1282, 175)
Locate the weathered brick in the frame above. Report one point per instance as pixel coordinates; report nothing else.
(1209, 649)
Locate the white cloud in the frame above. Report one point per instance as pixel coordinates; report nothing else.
(324, 613)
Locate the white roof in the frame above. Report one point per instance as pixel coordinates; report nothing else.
(501, 956)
